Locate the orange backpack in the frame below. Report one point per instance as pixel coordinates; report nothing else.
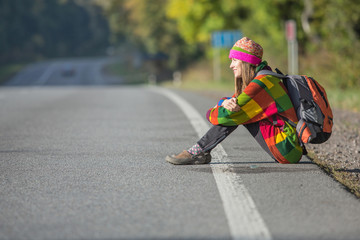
(311, 105)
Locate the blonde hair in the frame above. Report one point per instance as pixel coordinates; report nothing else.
(247, 75)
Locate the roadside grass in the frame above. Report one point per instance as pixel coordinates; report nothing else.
(199, 77)
(128, 73)
(9, 70)
(194, 85)
(347, 99)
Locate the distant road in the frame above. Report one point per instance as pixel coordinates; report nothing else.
(66, 72)
(89, 163)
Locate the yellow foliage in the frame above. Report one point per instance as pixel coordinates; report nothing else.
(176, 9)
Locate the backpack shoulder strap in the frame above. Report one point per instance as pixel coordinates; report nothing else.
(268, 72)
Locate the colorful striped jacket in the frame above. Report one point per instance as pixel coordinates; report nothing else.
(265, 100)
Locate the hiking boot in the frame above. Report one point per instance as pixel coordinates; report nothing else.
(185, 158)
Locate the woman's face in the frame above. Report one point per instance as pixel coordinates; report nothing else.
(236, 67)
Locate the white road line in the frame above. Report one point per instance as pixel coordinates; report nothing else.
(245, 222)
(46, 75)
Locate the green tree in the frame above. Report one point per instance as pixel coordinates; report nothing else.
(145, 26)
(50, 28)
(334, 35)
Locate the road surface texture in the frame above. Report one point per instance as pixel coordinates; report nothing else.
(85, 162)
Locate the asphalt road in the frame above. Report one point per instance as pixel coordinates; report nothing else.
(85, 162)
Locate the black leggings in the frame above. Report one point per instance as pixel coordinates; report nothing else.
(218, 133)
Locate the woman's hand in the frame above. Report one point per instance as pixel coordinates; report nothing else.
(231, 105)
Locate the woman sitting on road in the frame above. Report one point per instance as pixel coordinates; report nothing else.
(260, 103)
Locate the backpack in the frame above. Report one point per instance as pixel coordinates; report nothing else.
(311, 105)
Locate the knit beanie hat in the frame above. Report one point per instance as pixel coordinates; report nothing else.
(247, 50)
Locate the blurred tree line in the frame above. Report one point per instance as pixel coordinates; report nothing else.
(176, 33)
(328, 31)
(36, 29)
